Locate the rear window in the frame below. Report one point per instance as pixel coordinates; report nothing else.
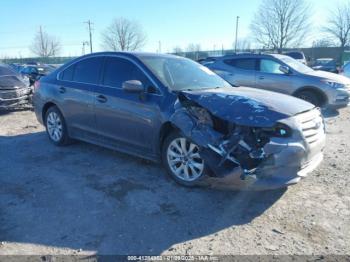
(245, 64)
(295, 55)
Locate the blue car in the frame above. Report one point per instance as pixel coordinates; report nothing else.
(175, 111)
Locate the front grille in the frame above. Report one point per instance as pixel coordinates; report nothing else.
(312, 125)
(13, 94)
(8, 94)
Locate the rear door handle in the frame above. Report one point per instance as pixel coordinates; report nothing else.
(101, 99)
(62, 90)
(261, 77)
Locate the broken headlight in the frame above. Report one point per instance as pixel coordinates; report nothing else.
(279, 130)
(282, 130)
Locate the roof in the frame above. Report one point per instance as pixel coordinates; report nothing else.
(253, 55)
(134, 54)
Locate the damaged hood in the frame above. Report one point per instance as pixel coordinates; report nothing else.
(10, 79)
(248, 106)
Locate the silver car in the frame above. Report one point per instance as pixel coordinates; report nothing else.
(284, 74)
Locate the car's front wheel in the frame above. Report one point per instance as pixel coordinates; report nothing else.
(56, 127)
(310, 97)
(182, 160)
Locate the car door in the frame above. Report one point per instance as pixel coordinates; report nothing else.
(240, 71)
(125, 119)
(75, 93)
(270, 77)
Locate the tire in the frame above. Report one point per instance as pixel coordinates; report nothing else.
(186, 168)
(56, 127)
(310, 97)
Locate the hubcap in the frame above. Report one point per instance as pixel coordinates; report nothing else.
(54, 126)
(184, 159)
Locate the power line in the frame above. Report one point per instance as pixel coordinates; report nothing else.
(90, 34)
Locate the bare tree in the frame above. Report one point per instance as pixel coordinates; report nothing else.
(281, 23)
(243, 44)
(44, 45)
(177, 50)
(193, 48)
(339, 24)
(323, 42)
(123, 35)
(193, 51)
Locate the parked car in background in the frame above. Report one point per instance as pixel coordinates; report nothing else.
(286, 75)
(169, 108)
(34, 72)
(345, 70)
(208, 60)
(325, 64)
(297, 55)
(14, 90)
(16, 67)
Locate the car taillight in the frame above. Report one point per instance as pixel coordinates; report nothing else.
(36, 85)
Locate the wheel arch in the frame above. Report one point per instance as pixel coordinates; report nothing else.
(165, 130)
(46, 107)
(315, 90)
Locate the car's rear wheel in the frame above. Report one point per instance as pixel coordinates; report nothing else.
(56, 127)
(310, 97)
(182, 160)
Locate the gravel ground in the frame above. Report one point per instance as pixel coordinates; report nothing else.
(83, 199)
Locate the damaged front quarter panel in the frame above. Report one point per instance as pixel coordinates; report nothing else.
(243, 156)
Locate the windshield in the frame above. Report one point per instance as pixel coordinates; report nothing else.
(296, 65)
(182, 74)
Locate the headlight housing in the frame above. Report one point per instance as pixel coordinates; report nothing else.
(333, 84)
(279, 130)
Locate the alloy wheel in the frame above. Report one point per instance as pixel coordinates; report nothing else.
(54, 126)
(184, 159)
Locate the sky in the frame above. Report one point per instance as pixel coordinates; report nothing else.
(210, 23)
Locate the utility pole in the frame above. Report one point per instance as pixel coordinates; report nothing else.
(90, 34)
(160, 46)
(237, 19)
(84, 44)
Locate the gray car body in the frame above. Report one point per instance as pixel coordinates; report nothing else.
(289, 84)
(137, 124)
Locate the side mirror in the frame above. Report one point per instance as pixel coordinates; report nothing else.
(133, 86)
(285, 70)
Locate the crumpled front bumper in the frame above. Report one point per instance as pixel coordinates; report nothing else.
(15, 97)
(290, 159)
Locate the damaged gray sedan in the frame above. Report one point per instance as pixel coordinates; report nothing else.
(168, 108)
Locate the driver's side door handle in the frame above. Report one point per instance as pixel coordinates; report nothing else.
(101, 99)
(62, 90)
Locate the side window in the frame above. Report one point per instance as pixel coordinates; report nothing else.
(25, 70)
(67, 74)
(245, 64)
(270, 66)
(119, 70)
(88, 70)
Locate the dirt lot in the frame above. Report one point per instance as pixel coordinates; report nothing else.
(84, 199)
